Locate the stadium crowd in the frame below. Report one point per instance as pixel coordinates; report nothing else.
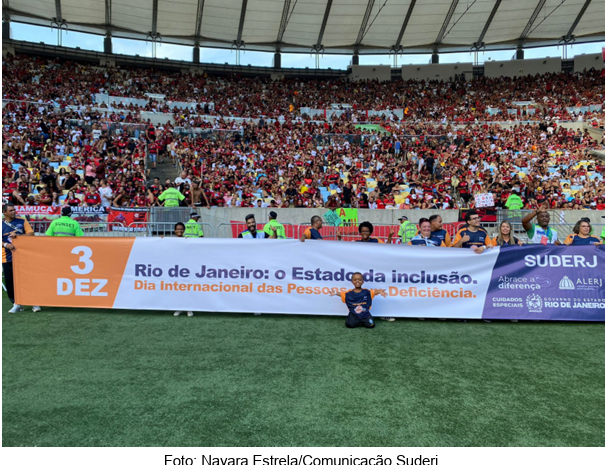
(57, 150)
(71, 83)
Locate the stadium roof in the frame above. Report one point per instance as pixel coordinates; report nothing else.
(333, 26)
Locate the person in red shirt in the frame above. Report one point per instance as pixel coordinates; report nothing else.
(72, 200)
(92, 198)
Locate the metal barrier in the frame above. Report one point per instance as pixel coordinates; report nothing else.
(170, 214)
(113, 129)
(219, 135)
(90, 229)
(153, 229)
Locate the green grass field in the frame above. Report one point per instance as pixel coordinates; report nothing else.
(75, 377)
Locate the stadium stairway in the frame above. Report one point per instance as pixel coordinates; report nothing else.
(164, 170)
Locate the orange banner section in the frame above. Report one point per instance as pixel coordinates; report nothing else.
(70, 272)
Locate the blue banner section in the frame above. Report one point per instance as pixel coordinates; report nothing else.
(548, 283)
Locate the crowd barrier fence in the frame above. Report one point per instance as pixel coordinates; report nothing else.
(90, 229)
(232, 229)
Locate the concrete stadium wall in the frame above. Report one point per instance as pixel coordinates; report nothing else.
(515, 68)
(441, 72)
(379, 72)
(588, 61)
(107, 61)
(7, 49)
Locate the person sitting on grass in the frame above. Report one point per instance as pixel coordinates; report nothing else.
(365, 230)
(359, 302)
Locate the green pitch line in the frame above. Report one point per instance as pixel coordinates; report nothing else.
(73, 377)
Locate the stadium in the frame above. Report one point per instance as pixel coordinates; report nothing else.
(480, 184)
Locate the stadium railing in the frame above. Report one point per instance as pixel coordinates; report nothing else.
(113, 129)
(206, 134)
(94, 229)
(156, 228)
(232, 230)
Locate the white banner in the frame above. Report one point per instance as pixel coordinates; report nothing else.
(484, 200)
(271, 276)
(286, 276)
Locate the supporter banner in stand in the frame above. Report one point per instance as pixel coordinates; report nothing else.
(41, 213)
(37, 212)
(224, 275)
(126, 216)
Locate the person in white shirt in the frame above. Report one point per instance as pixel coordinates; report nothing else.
(260, 204)
(106, 194)
(96, 132)
(183, 177)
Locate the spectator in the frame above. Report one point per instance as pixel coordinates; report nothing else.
(92, 198)
(106, 194)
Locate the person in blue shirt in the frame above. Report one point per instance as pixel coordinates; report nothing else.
(365, 230)
(582, 235)
(359, 302)
(505, 236)
(425, 237)
(438, 234)
(11, 228)
(473, 236)
(313, 231)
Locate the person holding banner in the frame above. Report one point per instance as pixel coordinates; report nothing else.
(359, 302)
(312, 232)
(11, 228)
(253, 232)
(582, 234)
(540, 233)
(473, 236)
(505, 237)
(365, 231)
(425, 237)
(438, 234)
